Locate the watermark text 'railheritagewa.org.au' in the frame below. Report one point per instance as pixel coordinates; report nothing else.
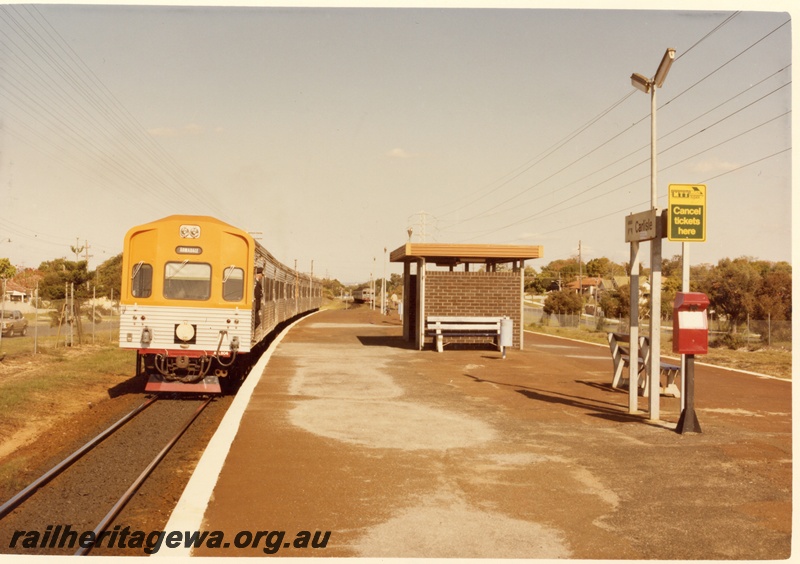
(63, 536)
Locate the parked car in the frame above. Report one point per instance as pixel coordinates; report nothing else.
(14, 323)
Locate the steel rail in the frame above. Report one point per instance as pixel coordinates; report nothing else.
(138, 482)
(8, 506)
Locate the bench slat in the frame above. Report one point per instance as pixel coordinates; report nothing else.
(622, 337)
(466, 333)
(621, 357)
(446, 319)
(461, 327)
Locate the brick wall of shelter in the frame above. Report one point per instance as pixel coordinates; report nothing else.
(494, 294)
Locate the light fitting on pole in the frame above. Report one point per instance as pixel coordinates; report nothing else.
(663, 67)
(641, 82)
(645, 84)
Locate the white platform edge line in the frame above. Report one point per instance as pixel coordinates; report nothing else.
(191, 507)
(757, 374)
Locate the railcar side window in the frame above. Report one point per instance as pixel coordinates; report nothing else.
(187, 281)
(142, 280)
(233, 284)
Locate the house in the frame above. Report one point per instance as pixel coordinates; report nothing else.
(586, 286)
(15, 292)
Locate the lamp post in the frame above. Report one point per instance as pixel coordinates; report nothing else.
(649, 86)
(384, 310)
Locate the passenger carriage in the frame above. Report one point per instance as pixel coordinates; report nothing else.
(188, 303)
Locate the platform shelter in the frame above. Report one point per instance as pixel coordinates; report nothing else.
(462, 280)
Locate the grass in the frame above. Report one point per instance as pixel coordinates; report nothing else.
(36, 386)
(772, 361)
(37, 389)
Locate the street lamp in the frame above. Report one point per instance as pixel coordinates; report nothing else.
(384, 303)
(649, 86)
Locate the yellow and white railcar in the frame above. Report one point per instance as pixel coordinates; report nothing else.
(187, 303)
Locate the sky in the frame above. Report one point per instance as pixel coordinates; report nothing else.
(330, 131)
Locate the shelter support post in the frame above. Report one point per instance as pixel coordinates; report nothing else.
(521, 304)
(408, 330)
(420, 336)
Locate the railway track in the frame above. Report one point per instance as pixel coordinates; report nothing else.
(119, 453)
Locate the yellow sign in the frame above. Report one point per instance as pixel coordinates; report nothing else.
(687, 213)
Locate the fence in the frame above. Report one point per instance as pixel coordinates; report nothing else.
(55, 326)
(761, 332)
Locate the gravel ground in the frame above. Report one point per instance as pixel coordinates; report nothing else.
(405, 453)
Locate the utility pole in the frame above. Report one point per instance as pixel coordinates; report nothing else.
(2, 308)
(77, 250)
(383, 289)
(423, 222)
(580, 282)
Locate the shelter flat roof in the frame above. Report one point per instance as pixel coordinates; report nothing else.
(444, 254)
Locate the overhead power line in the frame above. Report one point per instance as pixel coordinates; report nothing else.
(517, 172)
(638, 205)
(59, 106)
(498, 209)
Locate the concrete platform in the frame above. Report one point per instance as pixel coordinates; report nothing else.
(405, 453)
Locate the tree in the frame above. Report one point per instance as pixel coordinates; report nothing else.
(773, 297)
(7, 270)
(332, 287)
(60, 273)
(731, 289)
(672, 268)
(61, 278)
(395, 284)
(616, 303)
(563, 302)
(108, 277)
(557, 273)
(532, 282)
(603, 268)
(669, 289)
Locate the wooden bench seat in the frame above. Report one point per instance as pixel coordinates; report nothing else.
(619, 345)
(450, 326)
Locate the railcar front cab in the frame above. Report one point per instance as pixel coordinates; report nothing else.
(185, 305)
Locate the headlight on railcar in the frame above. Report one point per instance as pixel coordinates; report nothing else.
(185, 332)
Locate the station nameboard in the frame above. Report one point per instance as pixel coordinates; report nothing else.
(686, 220)
(641, 226)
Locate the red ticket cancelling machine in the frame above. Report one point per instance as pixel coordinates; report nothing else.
(689, 337)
